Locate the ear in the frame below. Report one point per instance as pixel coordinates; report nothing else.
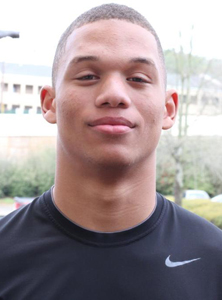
(170, 110)
(48, 104)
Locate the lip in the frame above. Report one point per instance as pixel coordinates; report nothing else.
(112, 125)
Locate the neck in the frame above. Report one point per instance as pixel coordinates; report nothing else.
(105, 200)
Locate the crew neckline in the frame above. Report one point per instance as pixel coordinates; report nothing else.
(97, 231)
(102, 239)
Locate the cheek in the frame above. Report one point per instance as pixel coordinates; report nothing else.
(152, 113)
(68, 107)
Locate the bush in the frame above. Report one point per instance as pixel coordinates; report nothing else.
(7, 169)
(29, 177)
(211, 211)
(206, 209)
(201, 162)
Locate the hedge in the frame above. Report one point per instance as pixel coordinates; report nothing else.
(29, 177)
(211, 211)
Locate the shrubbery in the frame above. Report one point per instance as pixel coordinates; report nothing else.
(206, 209)
(202, 169)
(28, 177)
(209, 210)
(32, 176)
(201, 163)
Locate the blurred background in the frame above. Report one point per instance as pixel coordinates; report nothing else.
(189, 163)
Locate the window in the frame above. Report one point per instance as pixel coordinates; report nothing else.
(5, 87)
(14, 107)
(193, 99)
(27, 108)
(3, 108)
(183, 98)
(205, 100)
(29, 89)
(39, 89)
(16, 88)
(215, 101)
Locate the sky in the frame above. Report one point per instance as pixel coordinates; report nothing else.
(42, 22)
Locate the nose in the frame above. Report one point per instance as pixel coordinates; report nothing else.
(113, 93)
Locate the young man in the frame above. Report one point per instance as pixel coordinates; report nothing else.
(102, 232)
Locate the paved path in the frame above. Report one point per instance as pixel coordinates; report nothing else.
(6, 209)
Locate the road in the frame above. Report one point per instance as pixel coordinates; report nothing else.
(6, 209)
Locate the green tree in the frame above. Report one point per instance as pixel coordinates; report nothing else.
(28, 177)
(193, 78)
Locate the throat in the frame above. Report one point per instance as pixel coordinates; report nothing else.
(106, 200)
(105, 208)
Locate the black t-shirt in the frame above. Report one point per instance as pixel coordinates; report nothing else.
(174, 255)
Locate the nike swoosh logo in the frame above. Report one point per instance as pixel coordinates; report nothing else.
(173, 264)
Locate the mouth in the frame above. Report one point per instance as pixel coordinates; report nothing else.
(110, 125)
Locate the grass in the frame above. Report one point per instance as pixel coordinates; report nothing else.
(6, 200)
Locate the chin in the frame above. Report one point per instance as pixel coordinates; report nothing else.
(111, 159)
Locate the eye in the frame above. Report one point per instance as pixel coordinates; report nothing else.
(88, 77)
(139, 79)
(136, 79)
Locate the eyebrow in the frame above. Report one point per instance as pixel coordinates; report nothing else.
(141, 60)
(79, 59)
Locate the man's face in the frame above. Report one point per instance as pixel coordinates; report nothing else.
(110, 94)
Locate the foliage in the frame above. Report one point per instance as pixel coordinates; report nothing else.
(199, 64)
(165, 170)
(201, 165)
(197, 80)
(206, 209)
(202, 162)
(177, 60)
(7, 169)
(28, 177)
(209, 210)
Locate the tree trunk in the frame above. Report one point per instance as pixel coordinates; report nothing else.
(178, 181)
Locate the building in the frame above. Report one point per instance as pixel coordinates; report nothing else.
(22, 128)
(20, 87)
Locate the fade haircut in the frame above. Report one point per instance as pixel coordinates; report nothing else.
(105, 12)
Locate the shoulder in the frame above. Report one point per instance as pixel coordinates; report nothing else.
(190, 224)
(23, 221)
(17, 217)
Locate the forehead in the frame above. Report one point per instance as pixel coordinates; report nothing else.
(112, 36)
(115, 42)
